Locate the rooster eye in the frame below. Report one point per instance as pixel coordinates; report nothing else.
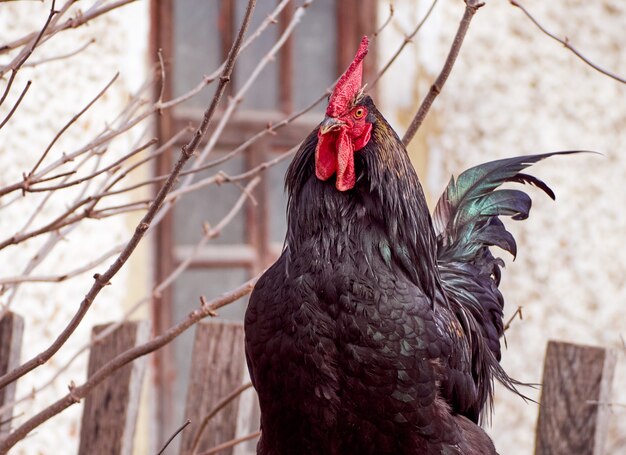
(360, 112)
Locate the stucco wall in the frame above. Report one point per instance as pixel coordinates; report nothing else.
(59, 90)
(514, 91)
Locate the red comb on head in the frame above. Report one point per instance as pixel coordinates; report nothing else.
(349, 83)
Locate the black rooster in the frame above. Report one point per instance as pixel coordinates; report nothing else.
(378, 330)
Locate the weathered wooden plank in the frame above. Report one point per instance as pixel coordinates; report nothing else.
(217, 369)
(575, 379)
(110, 411)
(11, 331)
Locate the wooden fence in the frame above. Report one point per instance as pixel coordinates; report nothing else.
(572, 418)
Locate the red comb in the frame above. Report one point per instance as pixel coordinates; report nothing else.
(349, 83)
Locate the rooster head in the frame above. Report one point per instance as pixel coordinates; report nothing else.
(347, 127)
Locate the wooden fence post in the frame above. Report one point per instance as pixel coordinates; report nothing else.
(576, 382)
(11, 330)
(110, 412)
(217, 368)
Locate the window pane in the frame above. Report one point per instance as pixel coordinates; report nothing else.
(197, 47)
(264, 92)
(315, 53)
(211, 204)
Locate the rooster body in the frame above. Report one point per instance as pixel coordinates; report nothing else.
(377, 331)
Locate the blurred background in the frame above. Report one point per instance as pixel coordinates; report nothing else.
(513, 91)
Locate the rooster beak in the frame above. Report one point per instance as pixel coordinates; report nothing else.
(330, 124)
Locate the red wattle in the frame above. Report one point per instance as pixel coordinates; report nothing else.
(334, 154)
(325, 156)
(346, 177)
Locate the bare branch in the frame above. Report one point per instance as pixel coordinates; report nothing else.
(104, 279)
(180, 429)
(217, 408)
(207, 80)
(209, 233)
(234, 101)
(471, 7)
(113, 166)
(17, 103)
(387, 21)
(80, 392)
(73, 22)
(60, 57)
(23, 56)
(66, 276)
(162, 77)
(518, 312)
(565, 42)
(68, 124)
(222, 177)
(407, 40)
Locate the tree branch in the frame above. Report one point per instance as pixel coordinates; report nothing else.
(23, 56)
(68, 124)
(565, 42)
(61, 56)
(104, 279)
(217, 408)
(167, 443)
(208, 234)
(17, 103)
(122, 359)
(471, 7)
(407, 40)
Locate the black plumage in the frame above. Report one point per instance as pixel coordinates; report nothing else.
(378, 329)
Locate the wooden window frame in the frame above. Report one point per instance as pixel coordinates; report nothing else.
(355, 18)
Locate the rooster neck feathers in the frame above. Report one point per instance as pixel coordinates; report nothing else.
(386, 210)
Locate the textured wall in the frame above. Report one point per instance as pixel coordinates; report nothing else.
(514, 91)
(59, 90)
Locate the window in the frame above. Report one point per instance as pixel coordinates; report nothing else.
(195, 36)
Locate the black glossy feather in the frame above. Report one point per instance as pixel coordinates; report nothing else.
(374, 332)
(467, 223)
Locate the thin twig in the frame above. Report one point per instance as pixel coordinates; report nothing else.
(73, 22)
(66, 219)
(387, 21)
(113, 166)
(231, 443)
(104, 279)
(209, 234)
(270, 129)
(518, 312)
(23, 56)
(234, 101)
(207, 80)
(181, 428)
(565, 42)
(217, 408)
(68, 124)
(435, 89)
(162, 76)
(222, 177)
(17, 103)
(60, 57)
(66, 276)
(80, 392)
(407, 39)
